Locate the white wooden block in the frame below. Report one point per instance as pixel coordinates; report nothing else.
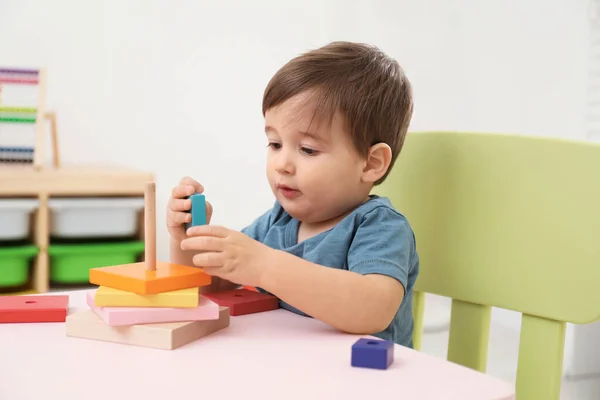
(88, 325)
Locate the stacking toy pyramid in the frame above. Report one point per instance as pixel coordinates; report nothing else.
(149, 303)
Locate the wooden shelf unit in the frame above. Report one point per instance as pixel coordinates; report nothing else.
(73, 181)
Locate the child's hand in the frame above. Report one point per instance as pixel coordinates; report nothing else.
(178, 205)
(228, 254)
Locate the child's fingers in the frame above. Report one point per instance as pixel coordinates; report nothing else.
(178, 218)
(188, 181)
(208, 260)
(209, 211)
(208, 230)
(179, 204)
(202, 243)
(182, 191)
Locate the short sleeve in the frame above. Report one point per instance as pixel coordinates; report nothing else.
(383, 244)
(258, 229)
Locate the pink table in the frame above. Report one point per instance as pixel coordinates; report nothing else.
(272, 355)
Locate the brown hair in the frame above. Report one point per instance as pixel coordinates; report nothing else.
(361, 82)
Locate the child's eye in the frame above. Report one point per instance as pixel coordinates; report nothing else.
(310, 152)
(275, 146)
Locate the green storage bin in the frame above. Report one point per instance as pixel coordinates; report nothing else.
(71, 263)
(14, 264)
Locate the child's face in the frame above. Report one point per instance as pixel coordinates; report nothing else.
(314, 171)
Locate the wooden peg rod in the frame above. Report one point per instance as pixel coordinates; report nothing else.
(150, 226)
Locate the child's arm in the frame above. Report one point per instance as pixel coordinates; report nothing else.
(349, 301)
(362, 299)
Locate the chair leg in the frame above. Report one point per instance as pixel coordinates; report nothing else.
(418, 316)
(541, 352)
(469, 334)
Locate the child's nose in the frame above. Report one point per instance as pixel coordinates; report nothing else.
(284, 164)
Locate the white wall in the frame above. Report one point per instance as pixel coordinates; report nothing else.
(189, 76)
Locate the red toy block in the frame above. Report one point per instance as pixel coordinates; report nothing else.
(33, 308)
(244, 301)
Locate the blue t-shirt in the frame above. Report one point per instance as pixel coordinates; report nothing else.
(373, 239)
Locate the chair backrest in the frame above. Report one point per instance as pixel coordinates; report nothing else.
(510, 222)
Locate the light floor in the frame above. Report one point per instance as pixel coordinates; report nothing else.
(502, 361)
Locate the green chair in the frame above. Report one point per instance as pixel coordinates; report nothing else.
(510, 222)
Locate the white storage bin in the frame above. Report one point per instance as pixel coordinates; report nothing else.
(94, 217)
(15, 217)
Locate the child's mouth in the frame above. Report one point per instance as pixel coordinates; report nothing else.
(287, 191)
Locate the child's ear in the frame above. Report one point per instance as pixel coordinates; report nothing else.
(377, 163)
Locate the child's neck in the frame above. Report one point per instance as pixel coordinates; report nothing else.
(306, 230)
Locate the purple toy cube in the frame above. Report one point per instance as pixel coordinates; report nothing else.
(372, 353)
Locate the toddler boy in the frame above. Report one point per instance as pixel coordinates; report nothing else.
(335, 121)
